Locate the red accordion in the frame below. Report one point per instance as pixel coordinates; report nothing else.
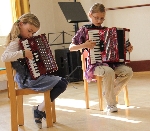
(111, 44)
(43, 61)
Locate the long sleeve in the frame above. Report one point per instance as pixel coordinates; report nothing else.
(80, 36)
(12, 52)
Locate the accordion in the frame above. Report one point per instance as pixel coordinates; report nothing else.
(111, 44)
(43, 61)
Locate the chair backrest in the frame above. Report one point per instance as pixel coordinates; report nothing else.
(10, 75)
(84, 59)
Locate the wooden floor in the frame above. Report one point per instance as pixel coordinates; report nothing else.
(72, 115)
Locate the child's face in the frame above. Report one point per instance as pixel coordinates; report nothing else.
(27, 30)
(97, 18)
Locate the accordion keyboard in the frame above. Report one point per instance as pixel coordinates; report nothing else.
(95, 53)
(32, 62)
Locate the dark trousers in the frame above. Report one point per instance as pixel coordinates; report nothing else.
(59, 88)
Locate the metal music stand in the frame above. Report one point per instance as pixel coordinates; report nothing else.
(74, 13)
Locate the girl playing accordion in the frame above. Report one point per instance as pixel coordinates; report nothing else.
(112, 84)
(24, 28)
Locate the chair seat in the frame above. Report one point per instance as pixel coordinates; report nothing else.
(26, 91)
(2, 71)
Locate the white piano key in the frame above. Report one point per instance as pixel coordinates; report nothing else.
(32, 63)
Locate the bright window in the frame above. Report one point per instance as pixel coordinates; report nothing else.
(6, 17)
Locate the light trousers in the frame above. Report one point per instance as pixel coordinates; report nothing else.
(113, 80)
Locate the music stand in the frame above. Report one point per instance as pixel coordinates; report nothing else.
(73, 12)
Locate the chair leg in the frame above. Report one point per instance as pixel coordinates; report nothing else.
(7, 89)
(20, 113)
(48, 109)
(126, 98)
(53, 112)
(99, 82)
(86, 93)
(13, 109)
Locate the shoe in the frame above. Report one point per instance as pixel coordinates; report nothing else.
(38, 115)
(112, 108)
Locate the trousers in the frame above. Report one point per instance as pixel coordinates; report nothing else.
(114, 80)
(59, 88)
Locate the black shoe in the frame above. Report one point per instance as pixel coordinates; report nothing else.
(38, 115)
(43, 114)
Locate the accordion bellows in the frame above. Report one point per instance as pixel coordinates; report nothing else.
(43, 61)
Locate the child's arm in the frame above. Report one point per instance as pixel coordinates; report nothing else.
(12, 52)
(88, 44)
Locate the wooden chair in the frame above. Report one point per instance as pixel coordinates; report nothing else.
(16, 102)
(99, 85)
(2, 72)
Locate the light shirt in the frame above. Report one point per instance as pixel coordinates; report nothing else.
(12, 52)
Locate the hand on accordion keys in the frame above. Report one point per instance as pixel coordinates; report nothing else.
(129, 48)
(28, 54)
(89, 44)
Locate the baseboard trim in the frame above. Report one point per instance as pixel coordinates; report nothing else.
(138, 66)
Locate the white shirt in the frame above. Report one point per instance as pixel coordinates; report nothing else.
(12, 52)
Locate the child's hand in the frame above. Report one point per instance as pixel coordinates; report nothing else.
(89, 44)
(130, 48)
(28, 54)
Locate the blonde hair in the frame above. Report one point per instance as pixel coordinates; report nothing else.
(97, 7)
(15, 31)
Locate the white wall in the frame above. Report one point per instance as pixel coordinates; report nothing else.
(136, 19)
